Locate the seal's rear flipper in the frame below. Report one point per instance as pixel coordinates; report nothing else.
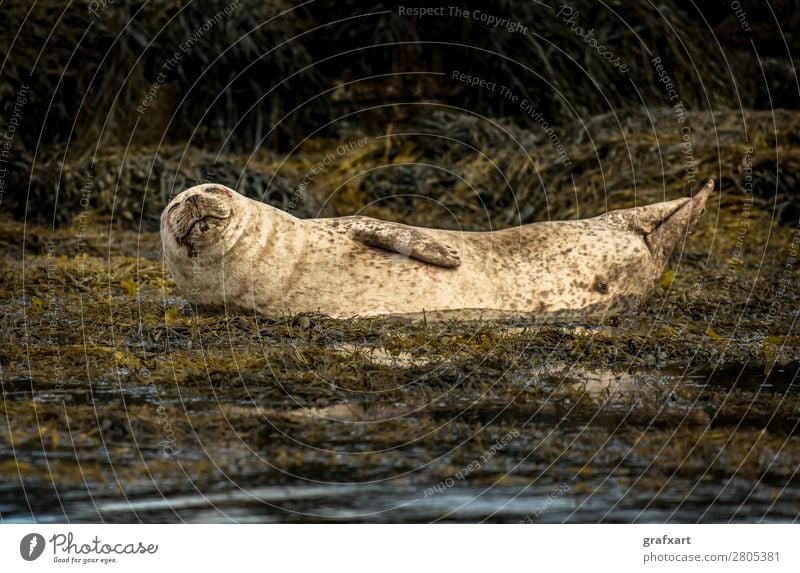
(645, 220)
(663, 225)
(672, 230)
(404, 240)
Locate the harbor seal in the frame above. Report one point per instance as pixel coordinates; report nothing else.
(228, 252)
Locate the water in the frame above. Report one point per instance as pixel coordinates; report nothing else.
(616, 459)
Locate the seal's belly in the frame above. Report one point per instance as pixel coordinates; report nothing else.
(540, 269)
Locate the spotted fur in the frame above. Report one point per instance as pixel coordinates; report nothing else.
(229, 252)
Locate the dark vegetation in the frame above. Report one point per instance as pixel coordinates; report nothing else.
(688, 410)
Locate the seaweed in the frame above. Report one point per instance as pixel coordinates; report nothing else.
(113, 388)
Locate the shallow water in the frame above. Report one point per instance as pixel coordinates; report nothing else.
(578, 479)
(392, 503)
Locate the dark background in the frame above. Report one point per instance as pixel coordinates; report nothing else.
(686, 410)
(271, 74)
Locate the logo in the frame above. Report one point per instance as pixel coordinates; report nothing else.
(31, 546)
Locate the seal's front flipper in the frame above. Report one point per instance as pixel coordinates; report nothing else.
(405, 240)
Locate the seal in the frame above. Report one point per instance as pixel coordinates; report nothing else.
(228, 252)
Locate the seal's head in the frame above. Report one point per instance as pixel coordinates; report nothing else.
(201, 220)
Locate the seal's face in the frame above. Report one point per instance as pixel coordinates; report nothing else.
(200, 218)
